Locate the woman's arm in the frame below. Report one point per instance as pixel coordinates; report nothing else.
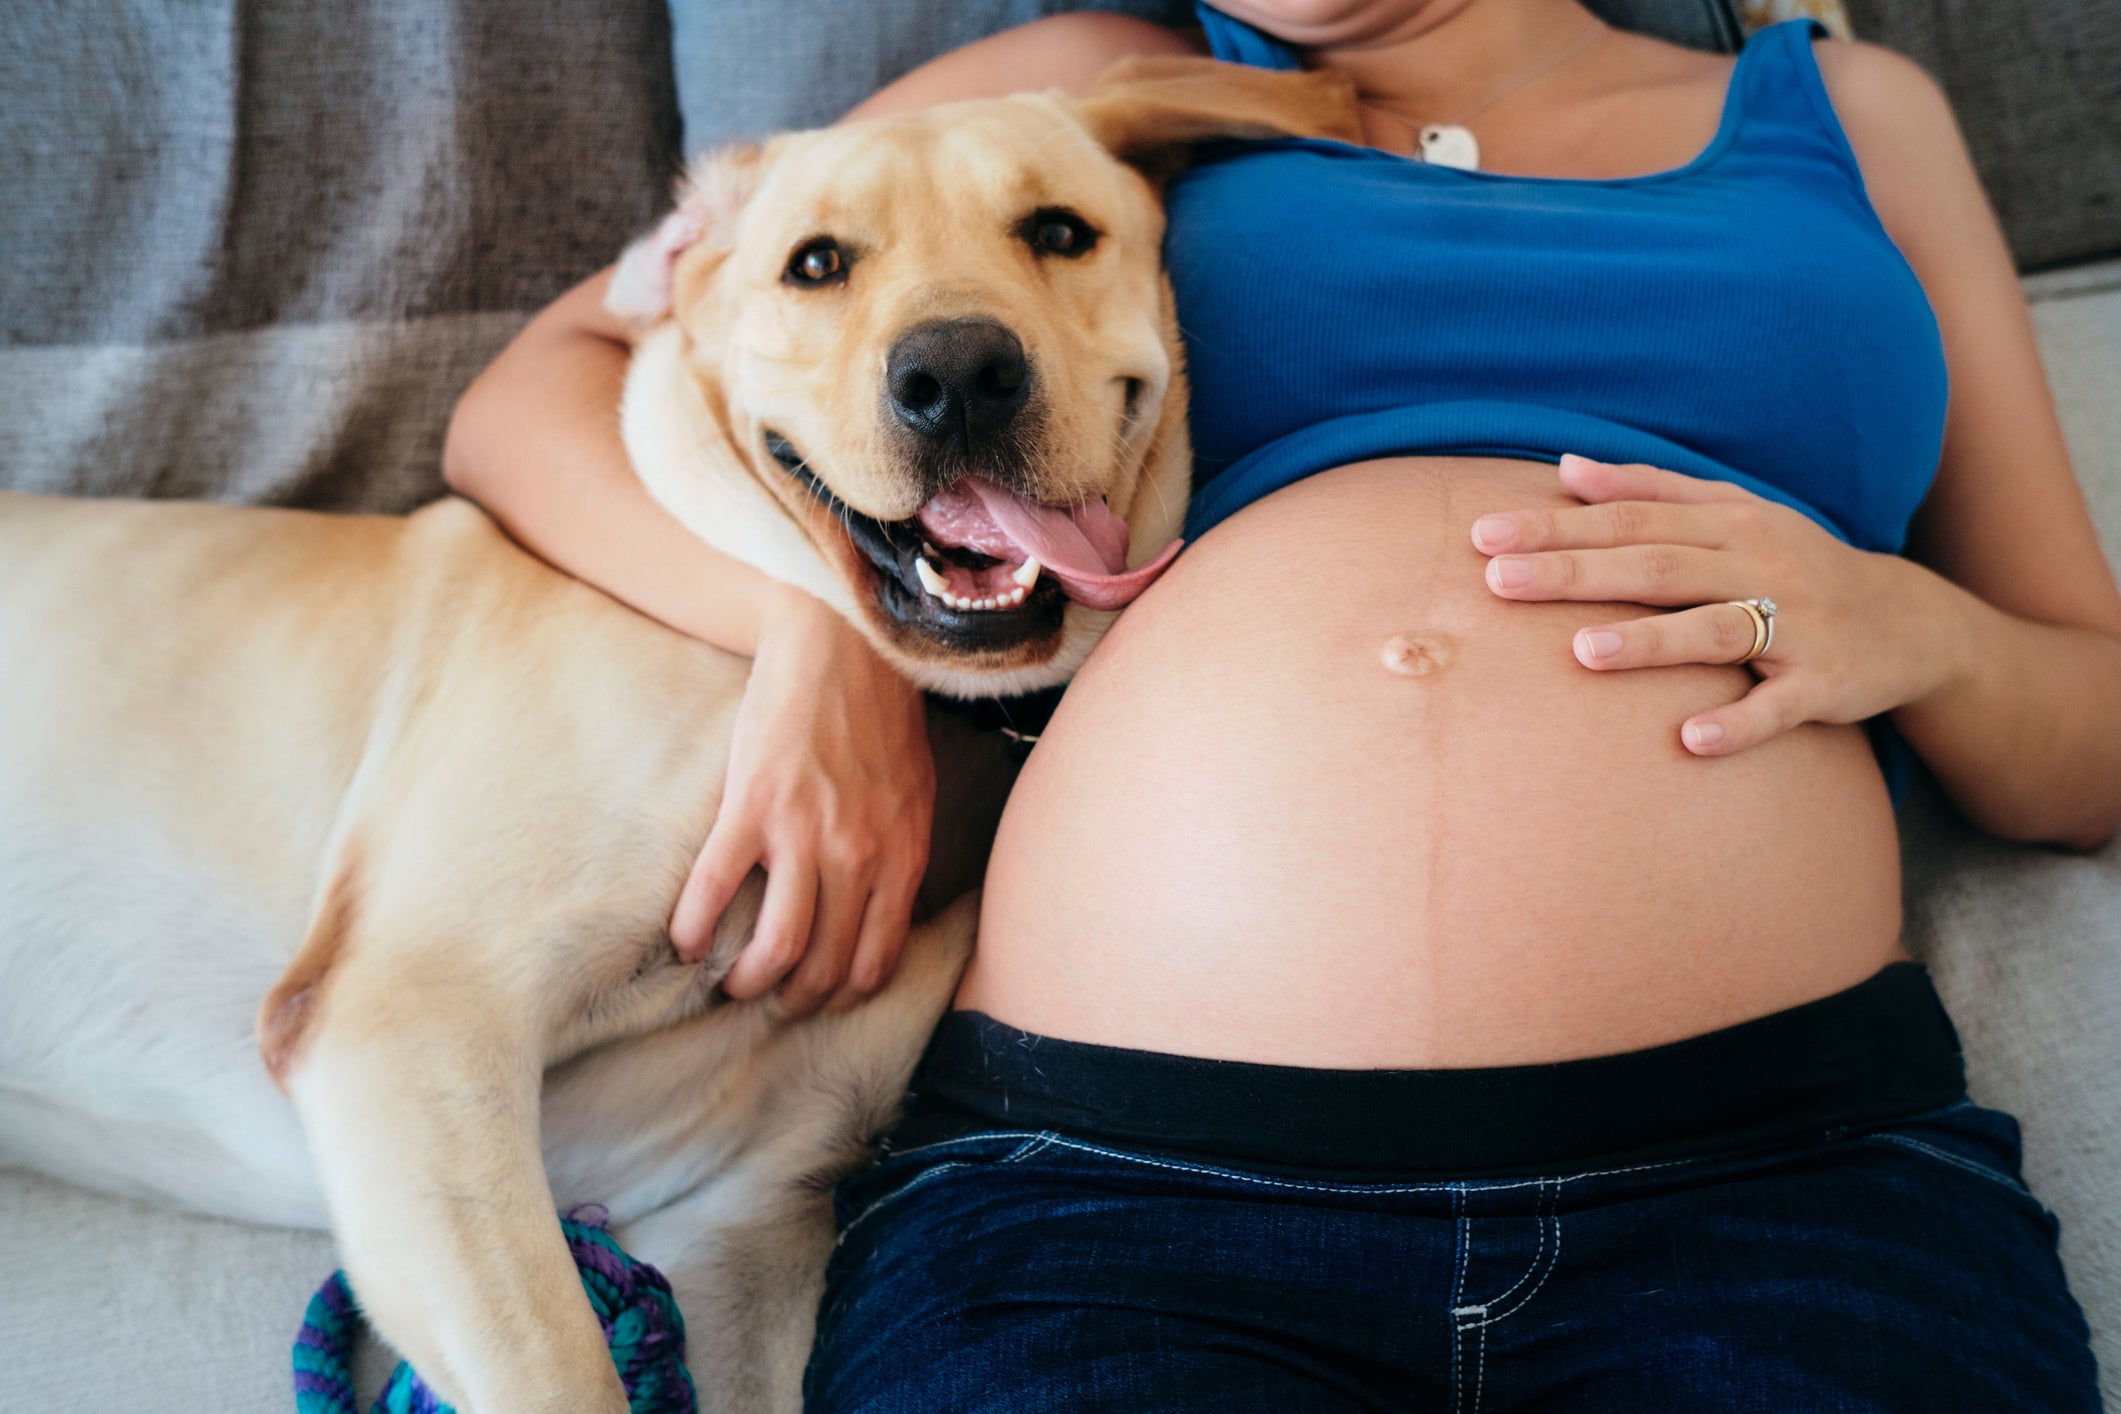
(535, 440)
(830, 786)
(2024, 726)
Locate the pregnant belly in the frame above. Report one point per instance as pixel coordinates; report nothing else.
(1247, 835)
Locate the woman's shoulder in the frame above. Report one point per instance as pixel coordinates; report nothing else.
(1066, 51)
(1877, 91)
(1908, 146)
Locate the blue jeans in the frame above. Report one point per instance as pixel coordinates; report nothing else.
(1897, 1267)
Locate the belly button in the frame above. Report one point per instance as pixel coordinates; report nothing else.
(1417, 655)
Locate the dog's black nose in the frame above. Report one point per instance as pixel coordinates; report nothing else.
(957, 378)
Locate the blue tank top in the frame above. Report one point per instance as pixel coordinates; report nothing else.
(1744, 317)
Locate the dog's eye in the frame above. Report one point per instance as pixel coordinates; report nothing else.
(1057, 231)
(817, 263)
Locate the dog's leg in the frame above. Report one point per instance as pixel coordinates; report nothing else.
(746, 1253)
(416, 1068)
(423, 1118)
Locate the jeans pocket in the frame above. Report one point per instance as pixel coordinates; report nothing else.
(896, 1174)
(1982, 1143)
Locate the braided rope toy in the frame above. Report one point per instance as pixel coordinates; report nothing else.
(632, 1301)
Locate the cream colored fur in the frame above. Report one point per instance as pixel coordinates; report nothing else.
(419, 806)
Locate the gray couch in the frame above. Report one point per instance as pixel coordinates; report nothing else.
(254, 251)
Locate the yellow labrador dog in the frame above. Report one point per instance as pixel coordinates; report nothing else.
(388, 816)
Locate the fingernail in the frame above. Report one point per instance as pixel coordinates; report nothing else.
(1510, 574)
(1703, 734)
(1603, 643)
(1491, 531)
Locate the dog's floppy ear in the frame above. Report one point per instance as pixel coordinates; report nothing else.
(1150, 111)
(644, 285)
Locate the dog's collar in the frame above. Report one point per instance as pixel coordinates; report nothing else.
(1019, 720)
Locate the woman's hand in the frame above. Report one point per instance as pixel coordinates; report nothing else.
(1856, 634)
(831, 789)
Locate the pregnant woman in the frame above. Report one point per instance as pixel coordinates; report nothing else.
(1444, 953)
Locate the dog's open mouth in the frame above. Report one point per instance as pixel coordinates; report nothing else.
(982, 565)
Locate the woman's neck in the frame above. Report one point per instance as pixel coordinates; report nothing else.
(1446, 56)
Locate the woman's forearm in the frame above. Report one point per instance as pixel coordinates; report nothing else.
(535, 441)
(830, 787)
(2025, 733)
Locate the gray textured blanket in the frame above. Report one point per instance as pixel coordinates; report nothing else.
(254, 251)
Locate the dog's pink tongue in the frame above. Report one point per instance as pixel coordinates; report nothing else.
(1084, 546)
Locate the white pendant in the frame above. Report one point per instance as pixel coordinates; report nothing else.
(1450, 145)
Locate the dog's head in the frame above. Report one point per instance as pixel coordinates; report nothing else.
(942, 346)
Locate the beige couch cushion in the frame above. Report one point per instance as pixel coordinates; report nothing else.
(2026, 943)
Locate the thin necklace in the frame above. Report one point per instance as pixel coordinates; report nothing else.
(1452, 144)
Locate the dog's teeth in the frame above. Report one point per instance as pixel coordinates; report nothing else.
(1027, 573)
(1010, 600)
(930, 580)
(986, 603)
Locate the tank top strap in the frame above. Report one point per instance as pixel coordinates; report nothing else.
(1235, 42)
(1781, 99)
(1776, 70)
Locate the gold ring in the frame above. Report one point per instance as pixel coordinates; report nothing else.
(1762, 613)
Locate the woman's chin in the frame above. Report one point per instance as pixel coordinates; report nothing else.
(1311, 24)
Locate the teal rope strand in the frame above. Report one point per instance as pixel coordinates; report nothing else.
(631, 1299)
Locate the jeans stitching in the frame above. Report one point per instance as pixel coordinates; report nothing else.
(1553, 1262)
(889, 1198)
(1035, 1146)
(1463, 1229)
(1957, 1161)
(1464, 1225)
(1539, 1250)
(1462, 1368)
(988, 1136)
(1381, 1190)
(1545, 1261)
(1033, 1143)
(985, 1136)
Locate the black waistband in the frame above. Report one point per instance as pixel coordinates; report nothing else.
(1881, 1050)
